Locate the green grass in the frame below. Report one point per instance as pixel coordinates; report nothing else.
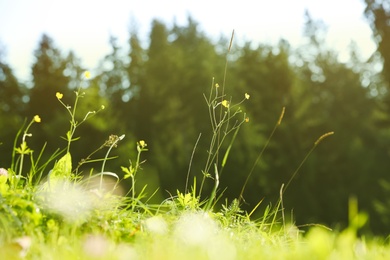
(66, 215)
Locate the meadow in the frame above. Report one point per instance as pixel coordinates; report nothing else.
(53, 210)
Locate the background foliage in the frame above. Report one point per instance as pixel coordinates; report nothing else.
(155, 92)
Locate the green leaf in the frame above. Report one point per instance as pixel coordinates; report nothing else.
(3, 184)
(62, 168)
(230, 146)
(23, 149)
(110, 174)
(128, 172)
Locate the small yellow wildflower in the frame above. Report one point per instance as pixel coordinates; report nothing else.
(225, 103)
(247, 96)
(216, 85)
(87, 74)
(142, 143)
(59, 95)
(102, 107)
(37, 119)
(246, 119)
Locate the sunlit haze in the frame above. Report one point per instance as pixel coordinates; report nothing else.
(85, 26)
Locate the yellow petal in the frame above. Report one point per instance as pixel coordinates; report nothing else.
(59, 95)
(37, 119)
(225, 103)
(142, 143)
(87, 74)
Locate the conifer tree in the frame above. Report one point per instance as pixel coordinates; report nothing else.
(48, 78)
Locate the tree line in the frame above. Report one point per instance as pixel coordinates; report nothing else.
(156, 93)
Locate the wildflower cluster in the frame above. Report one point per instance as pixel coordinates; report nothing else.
(72, 111)
(223, 122)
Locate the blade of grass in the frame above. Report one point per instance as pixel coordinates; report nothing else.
(261, 154)
(322, 137)
(190, 164)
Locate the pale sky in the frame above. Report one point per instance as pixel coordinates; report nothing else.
(85, 25)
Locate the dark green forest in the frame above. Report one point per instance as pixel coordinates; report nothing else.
(155, 92)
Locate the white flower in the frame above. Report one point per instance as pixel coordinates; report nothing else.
(3, 172)
(156, 225)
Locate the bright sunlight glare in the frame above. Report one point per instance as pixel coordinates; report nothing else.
(85, 26)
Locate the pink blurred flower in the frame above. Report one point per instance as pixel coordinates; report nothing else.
(3, 172)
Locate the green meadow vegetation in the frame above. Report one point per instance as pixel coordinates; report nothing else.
(70, 215)
(178, 147)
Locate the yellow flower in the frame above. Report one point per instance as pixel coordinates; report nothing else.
(216, 85)
(225, 103)
(59, 95)
(87, 74)
(247, 96)
(37, 119)
(102, 107)
(246, 119)
(142, 143)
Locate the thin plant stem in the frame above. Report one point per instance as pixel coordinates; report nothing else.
(105, 158)
(14, 150)
(261, 154)
(24, 144)
(190, 164)
(223, 88)
(73, 124)
(307, 156)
